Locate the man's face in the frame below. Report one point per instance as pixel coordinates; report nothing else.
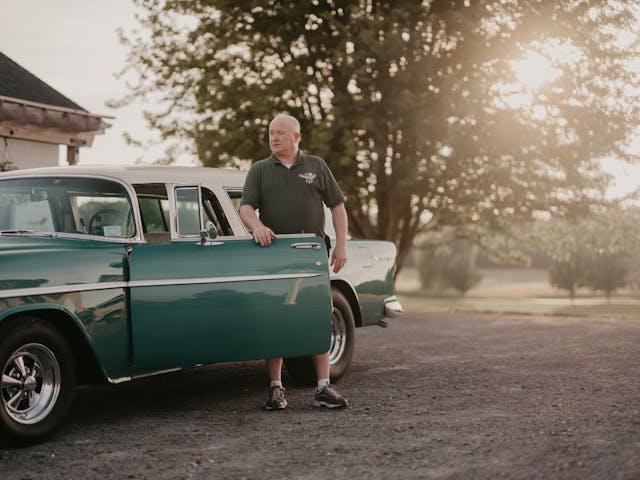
(283, 140)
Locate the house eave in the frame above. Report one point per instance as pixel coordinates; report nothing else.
(49, 123)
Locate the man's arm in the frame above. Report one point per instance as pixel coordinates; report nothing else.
(340, 225)
(261, 234)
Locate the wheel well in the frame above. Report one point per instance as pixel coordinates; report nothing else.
(88, 370)
(350, 295)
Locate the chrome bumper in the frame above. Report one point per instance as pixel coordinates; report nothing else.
(393, 309)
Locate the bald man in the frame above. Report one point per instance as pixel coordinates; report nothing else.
(290, 188)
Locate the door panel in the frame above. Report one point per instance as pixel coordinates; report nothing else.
(228, 300)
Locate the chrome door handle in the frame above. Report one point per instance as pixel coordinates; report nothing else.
(210, 243)
(315, 246)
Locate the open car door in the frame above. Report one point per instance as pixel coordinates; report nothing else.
(199, 298)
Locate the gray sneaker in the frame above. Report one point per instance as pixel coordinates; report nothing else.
(327, 397)
(276, 401)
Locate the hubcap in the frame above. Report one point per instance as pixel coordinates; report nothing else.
(338, 336)
(30, 383)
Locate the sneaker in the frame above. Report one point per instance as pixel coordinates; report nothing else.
(276, 399)
(327, 397)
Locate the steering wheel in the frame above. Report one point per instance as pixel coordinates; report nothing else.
(117, 215)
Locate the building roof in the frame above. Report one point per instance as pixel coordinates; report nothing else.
(32, 110)
(17, 82)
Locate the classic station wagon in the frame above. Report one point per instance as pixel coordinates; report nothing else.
(115, 273)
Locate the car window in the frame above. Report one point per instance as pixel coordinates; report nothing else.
(213, 212)
(188, 211)
(88, 206)
(154, 207)
(235, 196)
(102, 215)
(20, 210)
(155, 211)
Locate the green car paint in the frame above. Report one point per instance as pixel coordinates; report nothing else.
(273, 302)
(84, 280)
(226, 310)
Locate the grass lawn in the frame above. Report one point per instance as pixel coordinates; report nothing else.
(514, 290)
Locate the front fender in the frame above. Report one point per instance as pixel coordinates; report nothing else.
(97, 317)
(34, 307)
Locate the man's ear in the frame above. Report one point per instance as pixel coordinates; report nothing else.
(297, 136)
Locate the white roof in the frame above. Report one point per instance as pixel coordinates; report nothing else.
(224, 177)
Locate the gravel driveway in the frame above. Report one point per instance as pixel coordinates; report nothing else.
(437, 396)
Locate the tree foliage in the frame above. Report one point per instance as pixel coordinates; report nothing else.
(599, 251)
(6, 166)
(567, 274)
(418, 107)
(564, 241)
(446, 261)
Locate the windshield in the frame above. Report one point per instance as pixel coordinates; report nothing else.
(65, 205)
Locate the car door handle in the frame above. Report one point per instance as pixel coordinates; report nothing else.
(210, 243)
(315, 246)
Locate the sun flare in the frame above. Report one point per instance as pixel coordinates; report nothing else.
(534, 70)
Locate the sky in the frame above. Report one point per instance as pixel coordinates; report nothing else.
(73, 46)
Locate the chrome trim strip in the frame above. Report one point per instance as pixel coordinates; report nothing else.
(296, 235)
(98, 238)
(118, 380)
(86, 287)
(156, 372)
(77, 287)
(195, 281)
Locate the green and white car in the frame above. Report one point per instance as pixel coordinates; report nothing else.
(116, 273)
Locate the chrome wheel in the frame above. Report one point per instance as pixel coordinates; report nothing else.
(30, 384)
(338, 336)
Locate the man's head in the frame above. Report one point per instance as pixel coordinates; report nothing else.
(284, 136)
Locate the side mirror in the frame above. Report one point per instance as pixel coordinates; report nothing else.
(209, 233)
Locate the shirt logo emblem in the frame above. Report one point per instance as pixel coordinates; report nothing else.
(309, 177)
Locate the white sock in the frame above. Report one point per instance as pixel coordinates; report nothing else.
(323, 382)
(276, 383)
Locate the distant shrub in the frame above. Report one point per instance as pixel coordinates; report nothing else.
(445, 261)
(7, 166)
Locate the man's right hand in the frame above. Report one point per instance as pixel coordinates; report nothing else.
(263, 235)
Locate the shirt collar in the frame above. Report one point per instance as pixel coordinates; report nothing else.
(299, 160)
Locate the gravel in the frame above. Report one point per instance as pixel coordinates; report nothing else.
(434, 396)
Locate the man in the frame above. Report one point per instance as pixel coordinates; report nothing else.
(289, 188)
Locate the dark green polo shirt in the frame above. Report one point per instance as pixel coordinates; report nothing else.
(291, 200)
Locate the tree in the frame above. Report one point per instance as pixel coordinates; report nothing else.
(448, 112)
(445, 261)
(462, 272)
(564, 241)
(608, 271)
(433, 254)
(612, 243)
(598, 251)
(567, 274)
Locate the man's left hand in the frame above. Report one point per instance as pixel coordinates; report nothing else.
(338, 258)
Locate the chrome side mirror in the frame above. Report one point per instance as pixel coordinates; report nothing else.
(209, 233)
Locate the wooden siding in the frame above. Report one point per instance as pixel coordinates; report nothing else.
(27, 154)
